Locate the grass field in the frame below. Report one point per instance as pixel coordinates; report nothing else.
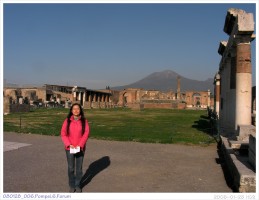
(148, 125)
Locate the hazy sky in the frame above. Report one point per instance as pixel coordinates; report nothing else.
(96, 45)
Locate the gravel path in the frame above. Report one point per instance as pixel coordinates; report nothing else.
(112, 166)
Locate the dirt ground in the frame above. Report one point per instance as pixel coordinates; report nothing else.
(112, 166)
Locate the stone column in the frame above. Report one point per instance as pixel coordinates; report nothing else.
(231, 95)
(74, 90)
(235, 100)
(79, 96)
(243, 84)
(84, 98)
(209, 98)
(217, 93)
(226, 101)
(178, 87)
(74, 96)
(90, 100)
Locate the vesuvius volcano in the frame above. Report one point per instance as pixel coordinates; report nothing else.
(167, 80)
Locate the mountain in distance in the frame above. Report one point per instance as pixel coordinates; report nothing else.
(167, 80)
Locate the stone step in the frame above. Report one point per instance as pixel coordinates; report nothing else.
(244, 178)
(238, 144)
(239, 167)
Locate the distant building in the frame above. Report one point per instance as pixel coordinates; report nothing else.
(56, 95)
(139, 98)
(63, 96)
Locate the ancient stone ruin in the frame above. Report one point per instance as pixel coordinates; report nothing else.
(134, 98)
(138, 98)
(22, 99)
(233, 100)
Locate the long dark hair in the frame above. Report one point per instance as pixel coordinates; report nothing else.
(81, 114)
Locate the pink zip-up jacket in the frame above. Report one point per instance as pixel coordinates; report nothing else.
(75, 136)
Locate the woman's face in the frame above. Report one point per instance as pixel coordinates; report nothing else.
(76, 110)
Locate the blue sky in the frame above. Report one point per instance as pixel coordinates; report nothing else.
(96, 45)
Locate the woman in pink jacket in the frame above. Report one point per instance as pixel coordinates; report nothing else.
(74, 134)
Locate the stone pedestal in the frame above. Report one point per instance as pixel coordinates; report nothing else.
(87, 105)
(244, 131)
(67, 104)
(95, 104)
(239, 168)
(7, 103)
(102, 104)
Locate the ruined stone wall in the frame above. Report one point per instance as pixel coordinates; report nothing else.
(133, 96)
(29, 94)
(181, 106)
(63, 96)
(129, 96)
(158, 105)
(42, 94)
(10, 93)
(14, 108)
(7, 103)
(175, 105)
(32, 94)
(197, 99)
(9, 107)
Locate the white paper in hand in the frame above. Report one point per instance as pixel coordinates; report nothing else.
(74, 150)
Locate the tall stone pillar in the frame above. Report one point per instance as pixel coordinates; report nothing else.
(231, 92)
(74, 96)
(90, 100)
(84, 98)
(178, 87)
(217, 93)
(236, 80)
(243, 84)
(79, 96)
(208, 99)
(74, 90)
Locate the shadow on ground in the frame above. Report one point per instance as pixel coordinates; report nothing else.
(95, 168)
(203, 124)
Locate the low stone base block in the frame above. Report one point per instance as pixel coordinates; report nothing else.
(239, 168)
(244, 131)
(238, 144)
